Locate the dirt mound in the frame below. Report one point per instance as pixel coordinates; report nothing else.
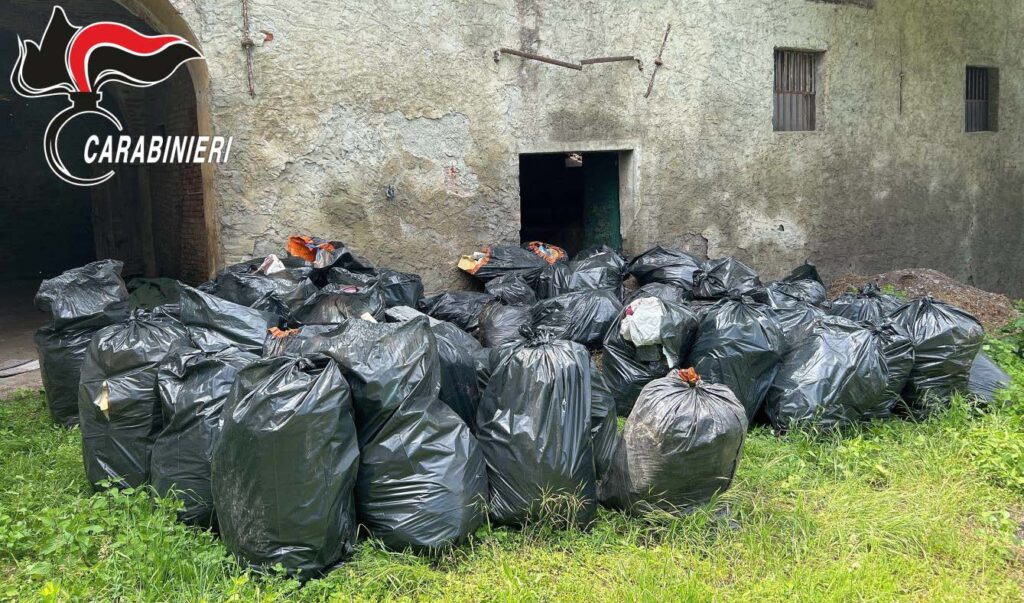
(992, 309)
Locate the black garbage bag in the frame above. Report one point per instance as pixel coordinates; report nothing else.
(580, 316)
(804, 272)
(422, 483)
(534, 426)
(835, 377)
(335, 304)
(552, 280)
(796, 319)
(986, 378)
(500, 324)
(946, 341)
(285, 464)
(667, 293)
(739, 344)
(117, 400)
(898, 349)
(511, 289)
(150, 293)
(870, 304)
(214, 323)
(398, 288)
(726, 277)
(281, 292)
(462, 308)
(628, 369)
(308, 340)
(679, 448)
(322, 254)
(602, 270)
(782, 294)
(82, 294)
(192, 387)
(80, 301)
(459, 390)
(590, 252)
(668, 266)
(497, 260)
(604, 426)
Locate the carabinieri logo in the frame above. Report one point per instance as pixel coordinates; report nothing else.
(78, 62)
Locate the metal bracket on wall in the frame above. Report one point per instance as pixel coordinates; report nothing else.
(248, 44)
(577, 66)
(658, 62)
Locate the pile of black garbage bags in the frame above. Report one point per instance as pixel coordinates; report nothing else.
(292, 400)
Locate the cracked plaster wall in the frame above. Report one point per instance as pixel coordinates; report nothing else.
(355, 97)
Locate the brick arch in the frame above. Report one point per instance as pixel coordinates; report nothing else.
(163, 17)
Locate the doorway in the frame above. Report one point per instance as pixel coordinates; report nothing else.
(571, 199)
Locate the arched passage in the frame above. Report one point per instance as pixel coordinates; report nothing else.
(154, 218)
(157, 219)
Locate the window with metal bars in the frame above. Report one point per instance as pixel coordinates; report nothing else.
(796, 74)
(981, 93)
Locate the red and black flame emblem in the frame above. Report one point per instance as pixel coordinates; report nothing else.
(79, 61)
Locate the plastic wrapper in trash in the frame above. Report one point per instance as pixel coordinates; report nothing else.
(398, 288)
(117, 400)
(946, 341)
(462, 308)
(321, 254)
(782, 294)
(986, 378)
(150, 293)
(512, 289)
(726, 277)
(668, 266)
(796, 319)
(604, 270)
(496, 260)
(898, 349)
(82, 294)
(870, 304)
(627, 369)
(308, 340)
(459, 390)
(335, 304)
(281, 291)
(285, 465)
(534, 426)
(500, 324)
(604, 427)
(581, 316)
(740, 344)
(552, 254)
(192, 387)
(552, 280)
(81, 302)
(835, 377)
(667, 293)
(422, 483)
(679, 448)
(214, 323)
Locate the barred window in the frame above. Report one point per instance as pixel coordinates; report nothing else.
(796, 74)
(981, 90)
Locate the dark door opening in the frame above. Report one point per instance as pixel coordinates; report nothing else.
(570, 199)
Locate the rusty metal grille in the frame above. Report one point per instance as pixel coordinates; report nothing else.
(795, 90)
(979, 90)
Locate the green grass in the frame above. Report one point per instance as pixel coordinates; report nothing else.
(896, 510)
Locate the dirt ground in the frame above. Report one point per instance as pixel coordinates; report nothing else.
(992, 309)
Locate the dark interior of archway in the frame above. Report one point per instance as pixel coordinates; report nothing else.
(151, 218)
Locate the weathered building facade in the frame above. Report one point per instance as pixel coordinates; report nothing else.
(395, 127)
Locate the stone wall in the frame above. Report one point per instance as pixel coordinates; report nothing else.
(354, 98)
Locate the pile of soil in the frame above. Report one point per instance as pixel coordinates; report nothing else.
(992, 309)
